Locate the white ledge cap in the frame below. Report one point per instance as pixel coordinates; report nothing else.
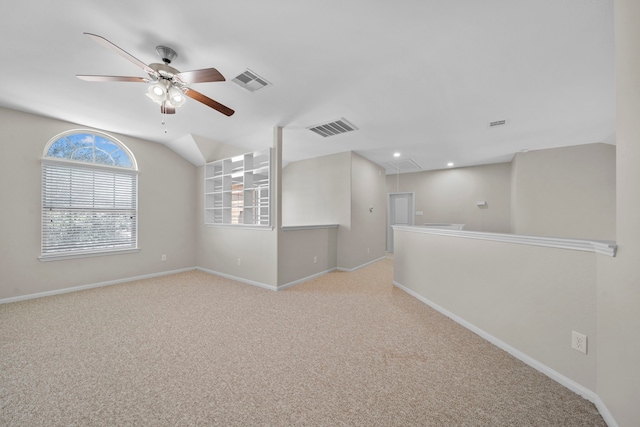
(307, 227)
(603, 247)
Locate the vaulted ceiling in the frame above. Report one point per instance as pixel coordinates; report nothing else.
(424, 78)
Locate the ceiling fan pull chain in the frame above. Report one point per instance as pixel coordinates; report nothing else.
(164, 116)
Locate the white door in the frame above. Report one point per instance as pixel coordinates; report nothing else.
(400, 212)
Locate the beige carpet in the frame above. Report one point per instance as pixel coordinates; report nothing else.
(192, 349)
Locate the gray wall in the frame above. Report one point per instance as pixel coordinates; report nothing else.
(336, 189)
(165, 206)
(219, 248)
(299, 248)
(619, 278)
(565, 192)
(339, 189)
(560, 192)
(450, 196)
(529, 297)
(364, 239)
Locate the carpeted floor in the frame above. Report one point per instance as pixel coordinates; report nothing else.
(192, 349)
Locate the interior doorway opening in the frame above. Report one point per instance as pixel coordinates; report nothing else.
(400, 211)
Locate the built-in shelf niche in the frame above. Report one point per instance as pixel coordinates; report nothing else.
(237, 190)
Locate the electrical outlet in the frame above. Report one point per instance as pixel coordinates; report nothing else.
(315, 259)
(238, 261)
(164, 257)
(368, 250)
(579, 342)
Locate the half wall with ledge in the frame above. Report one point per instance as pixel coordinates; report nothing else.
(524, 294)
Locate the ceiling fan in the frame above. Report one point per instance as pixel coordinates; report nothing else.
(168, 86)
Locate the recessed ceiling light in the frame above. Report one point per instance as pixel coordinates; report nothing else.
(450, 164)
(396, 154)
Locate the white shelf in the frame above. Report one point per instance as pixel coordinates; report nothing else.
(237, 190)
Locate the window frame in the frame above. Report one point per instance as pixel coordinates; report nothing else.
(85, 167)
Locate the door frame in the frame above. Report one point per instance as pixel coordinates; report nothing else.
(412, 215)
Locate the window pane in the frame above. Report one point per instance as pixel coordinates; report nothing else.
(66, 231)
(86, 209)
(89, 148)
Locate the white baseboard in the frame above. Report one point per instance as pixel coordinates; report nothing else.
(605, 413)
(360, 266)
(264, 285)
(164, 273)
(304, 279)
(239, 279)
(91, 286)
(554, 375)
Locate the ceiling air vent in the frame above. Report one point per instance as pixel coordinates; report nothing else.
(497, 123)
(333, 128)
(250, 81)
(404, 165)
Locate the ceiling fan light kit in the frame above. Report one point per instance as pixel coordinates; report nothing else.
(157, 92)
(176, 97)
(163, 92)
(168, 86)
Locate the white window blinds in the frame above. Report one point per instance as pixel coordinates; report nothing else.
(87, 209)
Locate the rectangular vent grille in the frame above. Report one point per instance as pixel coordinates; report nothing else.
(333, 128)
(404, 165)
(497, 123)
(250, 81)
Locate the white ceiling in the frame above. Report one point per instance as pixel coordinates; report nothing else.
(421, 77)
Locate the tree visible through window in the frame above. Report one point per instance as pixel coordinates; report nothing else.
(89, 196)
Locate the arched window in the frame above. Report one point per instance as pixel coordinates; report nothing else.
(89, 196)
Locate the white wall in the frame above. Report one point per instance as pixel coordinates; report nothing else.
(565, 192)
(619, 278)
(165, 212)
(317, 191)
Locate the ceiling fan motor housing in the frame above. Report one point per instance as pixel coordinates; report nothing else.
(164, 71)
(168, 86)
(166, 53)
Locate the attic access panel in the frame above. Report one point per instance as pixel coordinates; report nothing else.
(405, 165)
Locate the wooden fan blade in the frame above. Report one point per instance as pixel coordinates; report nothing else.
(106, 43)
(113, 79)
(167, 110)
(201, 76)
(208, 101)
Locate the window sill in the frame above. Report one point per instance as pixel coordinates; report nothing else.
(59, 257)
